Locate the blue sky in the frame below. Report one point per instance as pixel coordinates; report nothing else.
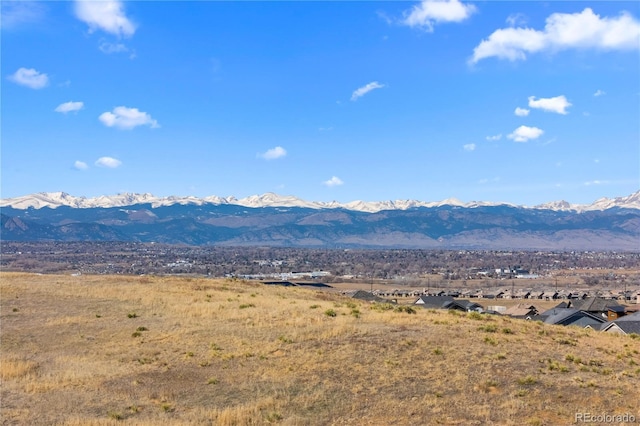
(521, 102)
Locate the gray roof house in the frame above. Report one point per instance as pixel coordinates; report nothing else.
(570, 316)
(594, 305)
(366, 296)
(626, 325)
(433, 302)
(463, 305)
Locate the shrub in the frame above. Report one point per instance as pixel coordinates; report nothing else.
(475, 315)
(407, 309)
(490, 341)
(132, 315)
(115, 415)
(527, 381)
(381, 307)
(330, 313)
(284, 339)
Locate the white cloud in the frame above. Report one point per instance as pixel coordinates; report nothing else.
(17, 13)
(127, 118)
(525, 133)
(599, 93)
(516, 20)
(80, 165)
(69, 107)
(469, 147)
(430, 12)
(273, 153)
(334, 181)
(494, 138)
(486, 180)
(521, 112)
(596, 182)
(109, 48)
(30, 78)
(365, 89)
(108, 162)
(559, 104)
(583, 30)
(107, 15)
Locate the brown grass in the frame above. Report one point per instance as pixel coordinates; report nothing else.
(103, 350)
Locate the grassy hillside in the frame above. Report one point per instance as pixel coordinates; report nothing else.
(98, 350)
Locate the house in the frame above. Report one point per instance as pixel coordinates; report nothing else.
(570, 316)
(625, 325)
(281, 282)
(366, 296)
(463, 305)
(522, 311)
(546, 314)
(537, 295)
(522, 294)
(433, 302)
(615, 312)
(594, 305)
(496, 294)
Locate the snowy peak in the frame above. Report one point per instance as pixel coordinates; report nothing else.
(629, 202)
(269, 199)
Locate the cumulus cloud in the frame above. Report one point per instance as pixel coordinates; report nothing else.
(559, 104)
(273, 153)
(365, 89)
(521, 112)
(599, 93)
(69, 107)
(525, 133)
(469, 147)
(334, 181)
(494, 137)
(80, 165)
(107, 15)
(29, 77)
(108, 162)
(127, 118)
(583, 30)
(430, 12)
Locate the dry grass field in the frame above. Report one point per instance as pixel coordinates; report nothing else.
(102, 350)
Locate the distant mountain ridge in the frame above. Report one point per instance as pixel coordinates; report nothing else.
(273, 220)
(58, 199)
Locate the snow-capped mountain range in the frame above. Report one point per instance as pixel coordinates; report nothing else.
(58, 199)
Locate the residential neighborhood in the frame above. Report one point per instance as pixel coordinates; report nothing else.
(611, 312)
